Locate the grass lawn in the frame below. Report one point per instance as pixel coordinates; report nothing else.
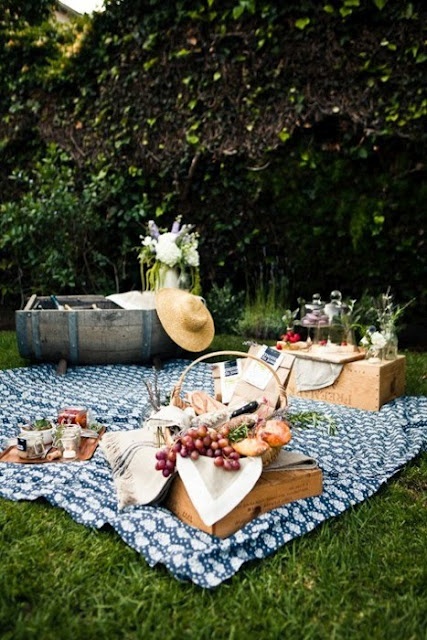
(359, 576)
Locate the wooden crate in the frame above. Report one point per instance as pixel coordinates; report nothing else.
(361, 384)
(106, 334)
(273, 489)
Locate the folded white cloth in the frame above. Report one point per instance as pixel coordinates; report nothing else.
(134, 299)
(291, 461)
(213, 491)
(170, 416)
(312, 374)
(132, 457)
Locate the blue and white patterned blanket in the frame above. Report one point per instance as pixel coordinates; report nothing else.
(368, 448)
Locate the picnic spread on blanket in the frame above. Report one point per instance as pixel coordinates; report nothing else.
(365, 449)
(201, 466)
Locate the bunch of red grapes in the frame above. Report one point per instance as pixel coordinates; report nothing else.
(199, 441)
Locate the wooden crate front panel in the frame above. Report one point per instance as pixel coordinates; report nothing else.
(361, 384)
(273, 489)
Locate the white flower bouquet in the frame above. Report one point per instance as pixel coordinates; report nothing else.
(383, 340)
(373, 338)
(163, 250)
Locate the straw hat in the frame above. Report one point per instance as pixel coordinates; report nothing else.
(185, 319)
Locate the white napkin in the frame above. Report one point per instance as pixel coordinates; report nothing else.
(169, 416)
(213, 491)
(312, 374)
(134, 299)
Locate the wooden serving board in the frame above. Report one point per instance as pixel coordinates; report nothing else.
(86, 451)
(336, 358)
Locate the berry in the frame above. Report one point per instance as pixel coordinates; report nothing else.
(196, 442)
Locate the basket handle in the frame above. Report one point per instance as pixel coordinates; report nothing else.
(241, 354)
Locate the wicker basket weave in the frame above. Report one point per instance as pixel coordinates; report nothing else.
(269, 456)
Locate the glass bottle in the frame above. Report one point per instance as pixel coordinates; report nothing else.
(389, 351)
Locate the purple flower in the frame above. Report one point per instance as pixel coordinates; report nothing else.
(153, 229)
(176, 226)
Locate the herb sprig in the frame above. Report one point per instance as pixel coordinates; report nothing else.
(312, 419)
(239, 433)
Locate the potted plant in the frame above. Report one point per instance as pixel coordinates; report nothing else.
(44, 426)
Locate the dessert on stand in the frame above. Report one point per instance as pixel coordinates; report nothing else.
(327, 328)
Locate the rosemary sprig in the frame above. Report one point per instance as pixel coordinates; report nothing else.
(239, 433)
(312, 419)
(153, 391)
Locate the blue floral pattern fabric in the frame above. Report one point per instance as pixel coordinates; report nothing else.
(366, 450)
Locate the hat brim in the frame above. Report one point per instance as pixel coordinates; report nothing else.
(185, 318)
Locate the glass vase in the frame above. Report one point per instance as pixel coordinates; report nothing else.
(389, 352)
(184, 280)
(374, 354)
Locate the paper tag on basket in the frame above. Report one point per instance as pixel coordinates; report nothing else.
(213, 491)
(256, 373)
(230, 373)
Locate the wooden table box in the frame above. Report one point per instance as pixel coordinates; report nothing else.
(273, 489)
(361, 384)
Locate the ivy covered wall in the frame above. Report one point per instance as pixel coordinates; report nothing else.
(291, 134)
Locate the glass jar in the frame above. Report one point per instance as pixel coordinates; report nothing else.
(389, 351)
(30, 445)
(67, 431)
(184, 280)
(69, 445)
(374, 354)
(321, 335)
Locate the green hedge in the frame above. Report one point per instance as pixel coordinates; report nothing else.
(291, 135)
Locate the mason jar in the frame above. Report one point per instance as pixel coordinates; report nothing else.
(30, 445)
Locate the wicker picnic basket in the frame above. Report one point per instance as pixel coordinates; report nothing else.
(282, 401)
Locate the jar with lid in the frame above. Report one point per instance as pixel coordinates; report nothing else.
(30, 445)
(69, 446)
(67, 431)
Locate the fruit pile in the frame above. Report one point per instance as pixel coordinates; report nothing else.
(290, 336)
(242, 436)
(199, 441)
(290, 340)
